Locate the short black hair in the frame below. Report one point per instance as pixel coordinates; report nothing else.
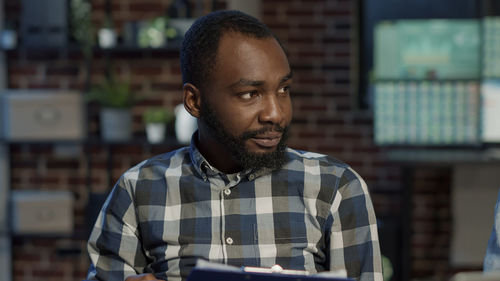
(200, 44)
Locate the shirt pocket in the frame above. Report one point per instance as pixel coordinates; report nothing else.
(280, 233)
(275, 241)
(293, 245)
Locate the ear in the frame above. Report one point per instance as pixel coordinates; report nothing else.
(192, 99)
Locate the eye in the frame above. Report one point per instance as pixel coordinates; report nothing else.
(285, 90)
(248, 95)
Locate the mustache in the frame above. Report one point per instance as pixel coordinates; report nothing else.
(250, 134)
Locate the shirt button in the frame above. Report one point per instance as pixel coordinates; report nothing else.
(251, 177)
(227, 191)
(229, 240)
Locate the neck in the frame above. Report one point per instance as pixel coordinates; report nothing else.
(216, 153)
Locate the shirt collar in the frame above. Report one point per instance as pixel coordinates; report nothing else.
(207, 171)
(196, 158)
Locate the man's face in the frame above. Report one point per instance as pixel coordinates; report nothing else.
(246, 104)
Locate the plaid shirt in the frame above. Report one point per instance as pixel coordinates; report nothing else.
(313, 214)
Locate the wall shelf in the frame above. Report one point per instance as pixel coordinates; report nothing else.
(444, 156)
(74, 51)
(96, 141)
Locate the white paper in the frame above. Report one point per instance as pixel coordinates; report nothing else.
(491, 111)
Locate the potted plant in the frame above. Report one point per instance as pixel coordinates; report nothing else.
(107, 35)
(156, 120)
(82, 30)
(115, 98)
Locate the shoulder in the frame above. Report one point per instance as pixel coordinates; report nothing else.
(307, 157)
(321, 164)
(157, 165)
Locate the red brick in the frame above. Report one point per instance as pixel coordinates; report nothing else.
(295, 39)
(148, 102)
(24, 164)
(175, 69)
(310, 80)
(349, 136)
(22, 70)
(269, 14)
(126, 149)
(166, 87)
(344, 108)
(311, 135)
(313, 107)
(44, 273)
(147, 70)
(299, 12)
(336, 13)
(342, 54)
(366, 150)
(26, 257)
(278, 26)
(336, 40)
(101, 6)
(316, 26)
(62, 70)
(44, 180)
(363, 121)
(147, 7)
(331, 121)
(43, 85)
(80, 274)
(312, 54)
(331, 149)
(63, 164)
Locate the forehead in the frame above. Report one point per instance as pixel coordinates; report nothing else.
(244, 57)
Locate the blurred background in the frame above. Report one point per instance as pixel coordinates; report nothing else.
(403, 91)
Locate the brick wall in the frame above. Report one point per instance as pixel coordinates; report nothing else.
(431, 222)
(320, 37)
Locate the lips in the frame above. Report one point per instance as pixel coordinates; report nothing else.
(269, 140)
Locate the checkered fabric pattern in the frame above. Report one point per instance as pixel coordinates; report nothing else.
(313, 214)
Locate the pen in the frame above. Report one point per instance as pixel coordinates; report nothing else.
(274, 269)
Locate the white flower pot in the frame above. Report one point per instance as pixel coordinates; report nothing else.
(107, 38)
(155, 132)
(116, 124)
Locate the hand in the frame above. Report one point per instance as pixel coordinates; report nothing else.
(142, 277)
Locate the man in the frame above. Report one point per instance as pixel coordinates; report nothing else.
(492, 258)
(237, 195)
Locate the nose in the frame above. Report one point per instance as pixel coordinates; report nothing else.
(272, 110)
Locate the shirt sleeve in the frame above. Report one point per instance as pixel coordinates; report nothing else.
(353, 240)
(114, 246)
(492, 258)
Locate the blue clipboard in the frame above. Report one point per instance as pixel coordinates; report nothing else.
(218, 274)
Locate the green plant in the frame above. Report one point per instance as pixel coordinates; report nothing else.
(112, 93)
(82, 28)
(157, 115)
(154, 33)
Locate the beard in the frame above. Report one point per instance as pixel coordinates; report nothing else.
(236, 144)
